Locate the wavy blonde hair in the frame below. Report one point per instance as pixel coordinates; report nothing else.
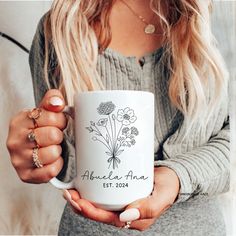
(197, 72)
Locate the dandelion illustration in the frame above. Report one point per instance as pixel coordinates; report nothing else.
(126, 116)
(105, 131)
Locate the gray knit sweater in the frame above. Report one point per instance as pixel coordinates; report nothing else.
(201, 161)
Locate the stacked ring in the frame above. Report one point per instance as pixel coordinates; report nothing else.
(36, 160)
(34, 114)
(127, 225)
(31, 137)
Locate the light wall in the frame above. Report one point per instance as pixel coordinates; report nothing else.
(25, 208)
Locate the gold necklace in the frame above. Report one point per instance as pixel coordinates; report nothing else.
(149, 28)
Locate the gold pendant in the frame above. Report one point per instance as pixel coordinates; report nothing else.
(150, 29)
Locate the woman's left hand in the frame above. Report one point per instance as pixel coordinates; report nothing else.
(144, 212)
(141, 213)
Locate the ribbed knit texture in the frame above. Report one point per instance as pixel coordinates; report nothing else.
(201, 161)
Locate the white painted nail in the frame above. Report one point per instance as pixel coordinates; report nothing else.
(56, 101)
(75, 205)
(130, 215)
(66, 195)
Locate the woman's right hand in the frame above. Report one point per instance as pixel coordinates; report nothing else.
(48, 135)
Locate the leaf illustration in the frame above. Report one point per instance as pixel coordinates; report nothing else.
(92, 123)
(90, 129)
(116, 148)
(119, 152)
(107, 138)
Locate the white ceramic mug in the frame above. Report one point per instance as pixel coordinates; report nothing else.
(114, 136)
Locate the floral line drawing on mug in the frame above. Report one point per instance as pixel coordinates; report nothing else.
(105, 131)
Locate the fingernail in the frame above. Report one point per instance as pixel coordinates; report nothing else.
(66, 195)
(130, 215)
(56, 101)
(75, 205)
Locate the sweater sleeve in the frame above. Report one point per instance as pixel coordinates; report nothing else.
(36, 63)
(203, 171)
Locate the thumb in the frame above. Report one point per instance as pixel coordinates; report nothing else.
(53, 101)
(145, 208)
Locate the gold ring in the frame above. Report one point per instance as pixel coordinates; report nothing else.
(34, 114)
(36, 160)
(31, 136)
(127, 225)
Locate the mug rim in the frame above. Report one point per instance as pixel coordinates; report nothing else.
(111, 91)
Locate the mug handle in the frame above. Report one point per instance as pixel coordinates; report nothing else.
(69, 110)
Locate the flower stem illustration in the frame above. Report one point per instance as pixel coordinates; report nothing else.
(105, 131)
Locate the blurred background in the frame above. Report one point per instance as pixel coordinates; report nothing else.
(36, 209)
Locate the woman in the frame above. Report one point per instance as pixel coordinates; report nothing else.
(165, 47)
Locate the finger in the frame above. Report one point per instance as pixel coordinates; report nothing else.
(46, 155)
(19, 142)
(68, 196)
(46, 173)
(47, 136)
(50, 154)
(48, 118)
(74, 194)
(146, 208)
(142, 224)
(98, 214)
(92, 212)
(53, 101)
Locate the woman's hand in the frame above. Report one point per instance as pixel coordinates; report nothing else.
(165, 192)
(48, 136)
(142, 213)
(88, 210)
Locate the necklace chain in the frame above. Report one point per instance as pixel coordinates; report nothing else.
(139, 16)
(149, 28)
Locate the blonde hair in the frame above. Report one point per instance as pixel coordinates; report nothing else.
(197, 71)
